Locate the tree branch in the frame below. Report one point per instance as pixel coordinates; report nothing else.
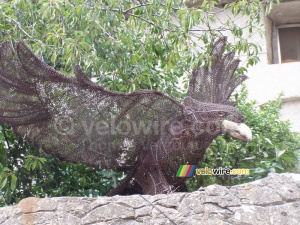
(18, 25)
(135, 7)
(145, 20)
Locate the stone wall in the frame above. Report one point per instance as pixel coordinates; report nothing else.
(273, 200)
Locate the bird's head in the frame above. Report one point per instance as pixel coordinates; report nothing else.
(215, 119)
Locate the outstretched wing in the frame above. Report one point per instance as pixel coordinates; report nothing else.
(216, 83)
(75, 119)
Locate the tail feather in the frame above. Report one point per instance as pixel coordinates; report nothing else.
(216, 83)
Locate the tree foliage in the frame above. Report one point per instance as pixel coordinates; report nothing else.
(127, 46)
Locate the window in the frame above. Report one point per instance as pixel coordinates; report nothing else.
(282, 28)
(289, 43)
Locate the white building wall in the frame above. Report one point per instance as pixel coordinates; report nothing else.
(267, 81)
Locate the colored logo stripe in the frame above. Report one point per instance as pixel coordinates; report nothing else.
(186, 170)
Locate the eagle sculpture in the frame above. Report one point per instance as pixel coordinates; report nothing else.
(146, 133)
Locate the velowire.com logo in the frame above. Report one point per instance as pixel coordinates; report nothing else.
(188, 171)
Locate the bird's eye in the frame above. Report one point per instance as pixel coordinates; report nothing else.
(221, 113)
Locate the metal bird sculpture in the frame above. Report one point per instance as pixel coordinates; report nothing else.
(145, 133)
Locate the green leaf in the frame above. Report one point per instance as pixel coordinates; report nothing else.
(259, 170)
(268, 140)
(3, 182)
(53, 57)
(13, 183)
(169, 64)
(279, 152)
(250, 158)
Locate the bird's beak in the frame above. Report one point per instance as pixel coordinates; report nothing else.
(238, 130)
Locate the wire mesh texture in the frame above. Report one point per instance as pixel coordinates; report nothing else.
(146, 133)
